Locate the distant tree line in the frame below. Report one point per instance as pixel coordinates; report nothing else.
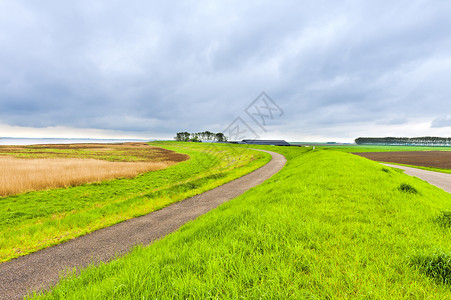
(405, 141)
(200, 136)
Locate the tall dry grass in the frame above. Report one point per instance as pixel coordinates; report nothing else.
(22, 175)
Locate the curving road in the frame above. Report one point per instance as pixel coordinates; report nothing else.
(41, 269)
(441, 180)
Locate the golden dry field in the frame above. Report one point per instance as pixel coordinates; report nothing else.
(30, 168)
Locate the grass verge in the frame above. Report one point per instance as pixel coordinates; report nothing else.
(36, 220)
(329, 225)
(446, 171)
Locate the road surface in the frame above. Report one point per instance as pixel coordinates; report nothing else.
(438, 179)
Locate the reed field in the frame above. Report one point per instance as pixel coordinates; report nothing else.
(40, 167)
(329, 225)
(38, 219)
(24, 175)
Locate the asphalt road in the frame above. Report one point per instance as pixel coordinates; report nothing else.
(438, 179)
(40, 270)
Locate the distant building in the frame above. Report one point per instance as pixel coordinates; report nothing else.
(266, 142)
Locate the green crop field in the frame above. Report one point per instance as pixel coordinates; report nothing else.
(329, 225)
(39, 219)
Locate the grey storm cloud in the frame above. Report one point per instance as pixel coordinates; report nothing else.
(153, 66)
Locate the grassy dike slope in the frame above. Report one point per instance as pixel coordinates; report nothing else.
(329, 225)
(36, 220)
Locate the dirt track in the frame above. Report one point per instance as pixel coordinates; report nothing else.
(41, 269)
(434, 159)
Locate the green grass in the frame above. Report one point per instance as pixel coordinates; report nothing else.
(329, 225)
(367, 148)
(446, 171)
(36, 220)
(407, 188)
(444, 219)
(436, 266)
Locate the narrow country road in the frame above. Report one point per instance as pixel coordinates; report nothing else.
(41, 269)
(438, 179)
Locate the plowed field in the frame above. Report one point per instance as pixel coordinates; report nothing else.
(433, 159)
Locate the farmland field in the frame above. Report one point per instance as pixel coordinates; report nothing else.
(39, 219)
(329, 225)
(436, 159)
(432, 159)
(370, 148)
(39, 167)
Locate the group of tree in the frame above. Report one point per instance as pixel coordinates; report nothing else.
(405, 141)
(200, 136)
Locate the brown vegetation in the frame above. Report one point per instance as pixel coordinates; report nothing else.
(19, 175)
(110, 152)
(434, 159)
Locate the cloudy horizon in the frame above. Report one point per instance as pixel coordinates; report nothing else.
(148, 69)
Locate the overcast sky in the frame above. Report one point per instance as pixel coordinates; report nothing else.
(335, 70)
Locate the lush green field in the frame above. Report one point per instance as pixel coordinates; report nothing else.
(329, 225)
(36, 220)
(366, 148)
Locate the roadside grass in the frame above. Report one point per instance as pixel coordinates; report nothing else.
(329, 225)
(36, 220)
